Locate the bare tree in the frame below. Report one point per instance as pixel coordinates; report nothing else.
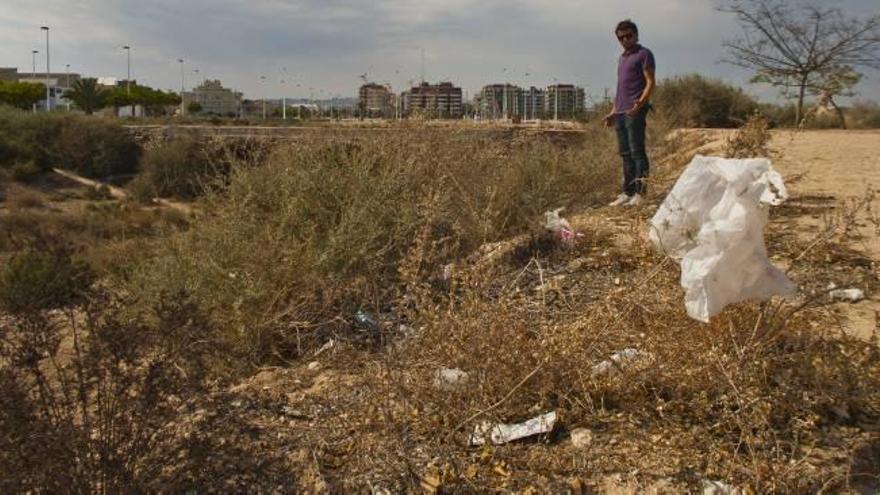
(803, 47)
(837, 83)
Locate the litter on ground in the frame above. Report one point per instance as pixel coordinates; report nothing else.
(500, 433)
(617, 361)
(713, 222)
(560, 227)
(449, 378)
(848, 295)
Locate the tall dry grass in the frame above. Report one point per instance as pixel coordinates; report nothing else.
(288, 250)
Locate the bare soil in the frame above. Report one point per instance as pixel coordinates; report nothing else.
(826, 171)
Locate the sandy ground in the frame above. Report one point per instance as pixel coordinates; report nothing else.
(845, 165)
(836, 168)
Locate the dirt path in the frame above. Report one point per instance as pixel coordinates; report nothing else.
(117, 193)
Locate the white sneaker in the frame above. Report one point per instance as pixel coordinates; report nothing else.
(635, 200)
(623, 198)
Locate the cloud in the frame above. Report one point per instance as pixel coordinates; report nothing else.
(326, 44)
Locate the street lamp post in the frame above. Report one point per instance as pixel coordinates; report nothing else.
(263, 84)
(283, 101)
(196, 88)
(284, 95)
(67, 84)
(48, 89)
(127, 49)
(182, 88)
(128, 69)
(504, 95)
(556, 103)
(34, 73)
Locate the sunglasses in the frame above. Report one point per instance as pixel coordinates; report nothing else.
(625, 36)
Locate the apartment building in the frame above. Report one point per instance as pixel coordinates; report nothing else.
(442, 100)
(214, 98)
(563, 101)
(501, 101)
(375, 101)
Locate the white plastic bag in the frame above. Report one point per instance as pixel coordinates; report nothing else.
(713, 221)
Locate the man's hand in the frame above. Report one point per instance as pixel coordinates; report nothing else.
(608, 120)
(635, 109)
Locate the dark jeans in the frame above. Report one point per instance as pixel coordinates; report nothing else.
(631, 141)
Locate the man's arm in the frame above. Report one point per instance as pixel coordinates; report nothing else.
(646, 93)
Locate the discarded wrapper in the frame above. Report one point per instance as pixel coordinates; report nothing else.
(449, 378)
(560, 226)
(499, 433)
(849, 295)
(618, 360)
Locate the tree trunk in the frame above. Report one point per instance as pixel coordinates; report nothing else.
(839, 113)
(799, 110)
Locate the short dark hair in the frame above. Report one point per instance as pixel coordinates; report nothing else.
(626, 25)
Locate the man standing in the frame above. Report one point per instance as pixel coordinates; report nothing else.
(635, 83)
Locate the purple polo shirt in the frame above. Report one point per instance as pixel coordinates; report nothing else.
(631, 80)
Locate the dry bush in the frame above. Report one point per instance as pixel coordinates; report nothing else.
(42, 274)
(286, 251)
(88, 391)
(752, 140)
(695, 101)
(772, 396)
(182, 168)
(24, 199)
(110, 235)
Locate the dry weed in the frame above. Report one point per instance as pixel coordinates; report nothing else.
(751, 140)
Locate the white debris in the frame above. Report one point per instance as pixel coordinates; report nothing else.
(617, 361)
(554, 223)
(314, 365)
(849, 295)
(581, 437)
(720, 488)
(560, 226)
(326, 347)
(713, 221)
(499, 433)
(449, 378)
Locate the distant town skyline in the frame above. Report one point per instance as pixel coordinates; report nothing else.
(327, 44)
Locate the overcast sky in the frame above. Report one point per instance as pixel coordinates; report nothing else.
(327, 44)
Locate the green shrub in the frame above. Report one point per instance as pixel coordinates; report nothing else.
(99, 193)
(24, 171)
(27, 138)
(94, 147)
(174, 169)
(184, 167)
(696, 101)
(89, 146)
(43, 276)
